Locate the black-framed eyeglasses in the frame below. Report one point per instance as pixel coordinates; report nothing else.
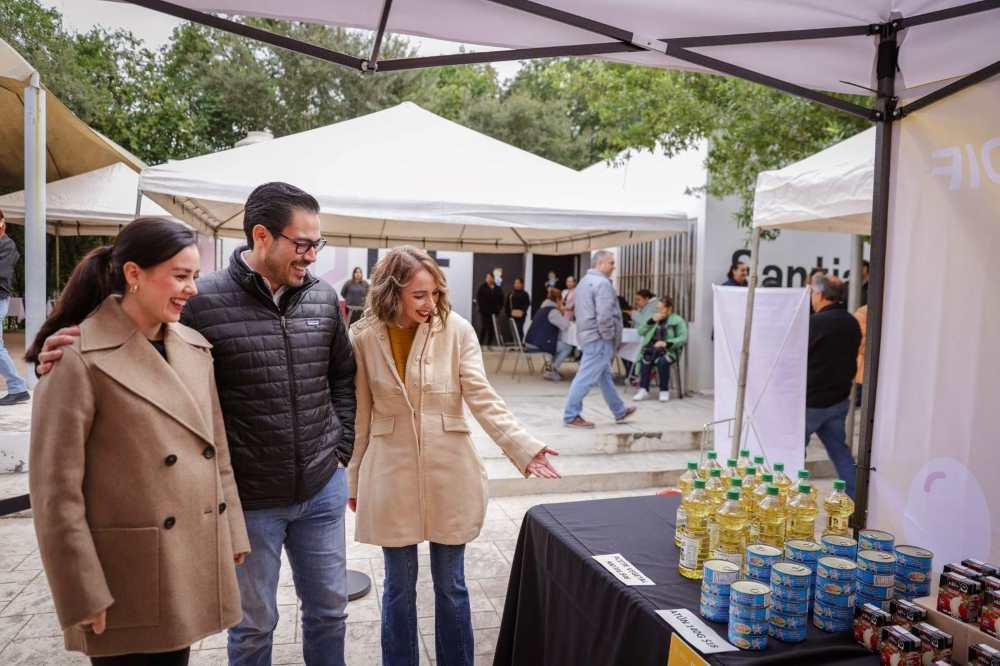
(302, 246)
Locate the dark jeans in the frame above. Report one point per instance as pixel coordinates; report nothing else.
(454, 643)
(829, 424)
(486, 332)
(177, 658)
(662, 373)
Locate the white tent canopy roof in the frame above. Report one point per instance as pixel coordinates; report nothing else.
(931, 52)
(405, 175)
(95, 203)
(828, 191)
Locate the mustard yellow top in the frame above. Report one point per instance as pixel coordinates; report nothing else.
(401, 339)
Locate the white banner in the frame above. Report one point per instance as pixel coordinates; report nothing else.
(776, 376)
(936, 447)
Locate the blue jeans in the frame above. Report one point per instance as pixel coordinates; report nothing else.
(563, 351)
(829, 425)
(662, 373)
(312, 534)
(7, 368)
(595, 368)
(454, 643)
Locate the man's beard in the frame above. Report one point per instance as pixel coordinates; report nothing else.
(280, 274)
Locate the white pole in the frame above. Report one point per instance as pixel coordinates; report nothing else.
(34, 210)
(741, 385)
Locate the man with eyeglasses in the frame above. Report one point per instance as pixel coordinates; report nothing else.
(285, 372)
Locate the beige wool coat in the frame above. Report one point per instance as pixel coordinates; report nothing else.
(415, 472)
(134, 501)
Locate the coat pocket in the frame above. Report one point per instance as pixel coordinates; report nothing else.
(454, 423)
(130, 558)
(382, 425)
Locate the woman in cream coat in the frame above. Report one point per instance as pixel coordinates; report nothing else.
(415, 475)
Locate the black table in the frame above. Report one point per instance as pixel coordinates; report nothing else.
(564, 608)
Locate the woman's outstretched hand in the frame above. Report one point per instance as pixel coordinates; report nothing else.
(541, 467)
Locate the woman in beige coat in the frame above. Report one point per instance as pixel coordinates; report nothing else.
(138, 520)
(415, 475)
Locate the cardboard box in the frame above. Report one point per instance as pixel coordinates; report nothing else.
(962, 634)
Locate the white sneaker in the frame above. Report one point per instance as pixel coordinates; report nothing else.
(664, 396)
(641, 394)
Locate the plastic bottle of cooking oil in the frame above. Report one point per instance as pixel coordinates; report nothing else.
(694, 538)
(759, 493)
(686, 485)
(749, 484)
(762, 468)
(731, 542)
(839, 509)
(772, 518)
(729, 471)
(744, 460)
(802, 512)
(803, 478)
(711, 462)
(716, 490)
(781, 480)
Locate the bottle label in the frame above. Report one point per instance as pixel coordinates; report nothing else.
(837, 524)
(690, 547)
(753, 533)
(682, 519)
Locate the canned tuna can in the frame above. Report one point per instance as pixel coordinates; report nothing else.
(790, 574)
(836, 569)
(876, 561)
(912, 590)
(748, 613)
(802, 550)
(749, 593)
(760, 573)
(875, 540)
(876, 579)
(762, 555)
(914, 557)
(717, 590)
(745, 629)
(842, 600)
(825, 610)
(709, 599)
(788, 620)
(835, 588)
(831, 626)
(839, 546)
(720, 572)
(915, 576)
(748, 642)
(788, 606)
(791, 593)
(713, 614)
(787, 635)
(881, 604)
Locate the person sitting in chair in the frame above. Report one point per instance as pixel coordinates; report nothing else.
(663, 337)
(545, 333)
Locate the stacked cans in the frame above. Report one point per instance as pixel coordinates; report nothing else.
(791, 591)
(876, 540)
(748, 608)
(836, 581)
(759, 559)
(717, 576)
(876, 577)
(839, 546)
(803, 551)
(913, 572)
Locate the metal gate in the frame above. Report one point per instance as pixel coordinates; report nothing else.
(666, 267)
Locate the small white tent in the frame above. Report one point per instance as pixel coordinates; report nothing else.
(407, 176)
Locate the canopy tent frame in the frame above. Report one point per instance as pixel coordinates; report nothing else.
(884, 113)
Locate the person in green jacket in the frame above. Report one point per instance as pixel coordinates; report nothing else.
(663, 337)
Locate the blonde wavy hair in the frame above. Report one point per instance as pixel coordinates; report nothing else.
(393, 272)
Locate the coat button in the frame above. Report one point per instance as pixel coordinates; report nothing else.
(209, 452)
(222, 508)
(170, 460)
(169, 522)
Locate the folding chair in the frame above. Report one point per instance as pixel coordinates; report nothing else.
(505, 346)
(521, 351)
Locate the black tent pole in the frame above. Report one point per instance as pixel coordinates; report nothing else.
(885, 114)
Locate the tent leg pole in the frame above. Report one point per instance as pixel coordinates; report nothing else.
(741, 384)
(853, 303)
(34, 210)
(885, 108)
(138, 202)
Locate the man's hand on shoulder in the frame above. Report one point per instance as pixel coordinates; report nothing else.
(52, 349)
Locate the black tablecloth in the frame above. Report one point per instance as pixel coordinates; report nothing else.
(564, 608)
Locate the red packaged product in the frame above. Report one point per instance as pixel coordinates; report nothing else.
(982, 654)
(935, 645)
(963, 570)
(906, 613)
(899, 647)
(960, 597)
(980, 566)
(989, 616)
(868, 625)
(991, 583)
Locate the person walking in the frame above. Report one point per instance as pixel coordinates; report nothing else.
(415, 475)
(663, 337)
(134, 503)
(834, 339)
(285, 371)
(517, 304)
(546, 334)
(489, 300)
(17, 389)
(599, 331)
(354, 292)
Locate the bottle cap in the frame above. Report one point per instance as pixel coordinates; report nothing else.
(733, 495)
(715, 472)
(758, 460)
(736, 482)
(805, 488)
(768, 478)
(699, 483)
(772, 490)
(804, 474)
(839, 484)
(744, 453)
(731, 462)
(692, 464)
(779, 467)
(712, 455)
(751, 471)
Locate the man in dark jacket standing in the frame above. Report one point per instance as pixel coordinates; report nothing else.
(489, 300)
(834, 337)
(17, 390)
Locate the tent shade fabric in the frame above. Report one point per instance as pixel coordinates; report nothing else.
(73, 147)
(407, 176)
(828, 191)
(97, 203)
(933, 51)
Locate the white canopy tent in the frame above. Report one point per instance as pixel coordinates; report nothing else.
(407, 176)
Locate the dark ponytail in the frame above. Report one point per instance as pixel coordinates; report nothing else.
(147, 242)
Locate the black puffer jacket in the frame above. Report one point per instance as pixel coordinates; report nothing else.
(286, 382)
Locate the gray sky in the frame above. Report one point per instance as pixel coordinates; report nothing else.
(155, 28)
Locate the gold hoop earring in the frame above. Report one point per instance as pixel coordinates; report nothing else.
(134, 288)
